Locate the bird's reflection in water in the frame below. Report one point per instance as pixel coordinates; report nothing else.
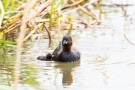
(66, 69)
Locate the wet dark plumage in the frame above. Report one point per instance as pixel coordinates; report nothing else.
(48, 57)
(64, 52)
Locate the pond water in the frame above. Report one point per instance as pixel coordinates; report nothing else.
(107, 60)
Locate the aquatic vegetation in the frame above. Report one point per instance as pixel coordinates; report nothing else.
(19, 20)
(41, 16)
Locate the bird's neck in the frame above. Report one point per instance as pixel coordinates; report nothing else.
(66, 49)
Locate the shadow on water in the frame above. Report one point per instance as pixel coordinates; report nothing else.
(66, 70)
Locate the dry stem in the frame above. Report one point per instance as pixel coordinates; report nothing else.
(19, 45)
(2, 13)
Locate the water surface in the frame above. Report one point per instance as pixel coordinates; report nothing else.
(107, 59)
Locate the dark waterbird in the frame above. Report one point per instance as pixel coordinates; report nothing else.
(65, 52)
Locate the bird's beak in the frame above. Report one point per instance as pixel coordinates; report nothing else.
(65, 42)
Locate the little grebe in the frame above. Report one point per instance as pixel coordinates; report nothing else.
(64, 52)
